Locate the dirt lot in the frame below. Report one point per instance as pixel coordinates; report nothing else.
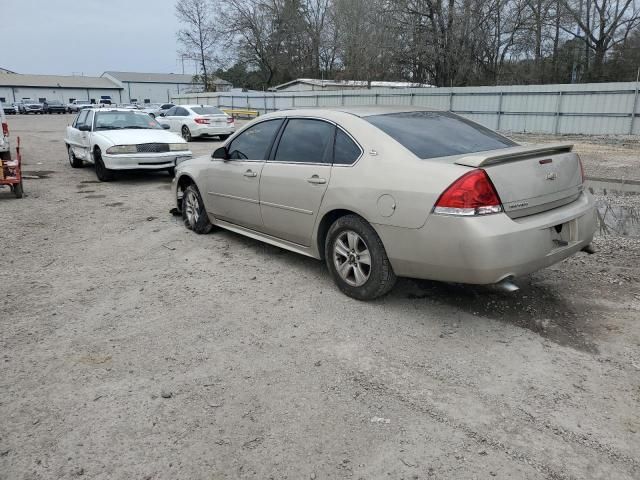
(131, 348)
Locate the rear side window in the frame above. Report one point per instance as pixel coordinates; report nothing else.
(345, 151)
(438, 134)
(181, 112)
(254, 142)
(207, 111)
(305, 141)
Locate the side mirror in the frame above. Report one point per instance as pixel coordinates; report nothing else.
(84, 128)
(162, 114)
(220, 153)
(165, 126)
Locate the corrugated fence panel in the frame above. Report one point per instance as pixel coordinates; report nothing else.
(596, 108)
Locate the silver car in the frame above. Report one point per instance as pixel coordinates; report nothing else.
(381, 192)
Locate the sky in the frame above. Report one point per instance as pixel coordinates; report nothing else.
(74, 37)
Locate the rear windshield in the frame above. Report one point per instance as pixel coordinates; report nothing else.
(438, 134)
(207, 111)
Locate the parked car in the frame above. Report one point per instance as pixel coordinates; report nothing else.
(19, 106)
(9, 109)
(33, 106)
(5, 143)
(382, 192)
(119, 139)
(198, 121)
(78, 105)
(54, 106)
(164, 108)
(151, 108)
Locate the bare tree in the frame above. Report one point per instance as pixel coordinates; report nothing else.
(198, 36)
(603, 24)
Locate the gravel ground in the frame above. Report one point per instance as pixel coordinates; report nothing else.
(132, 348)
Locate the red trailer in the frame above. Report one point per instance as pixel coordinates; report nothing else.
(11, 172)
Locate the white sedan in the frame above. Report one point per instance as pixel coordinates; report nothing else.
(118, 139)
(198, 120)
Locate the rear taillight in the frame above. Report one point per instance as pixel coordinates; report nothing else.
(5, 129)
(201, 121)
(582, 175)
(472, 194)
(229, 119)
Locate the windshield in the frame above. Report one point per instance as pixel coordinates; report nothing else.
(438, 134)
(207, 111)
(124, 120)
(83, 102)
(54, 102)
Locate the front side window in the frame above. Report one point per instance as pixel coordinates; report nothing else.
(438, 134)
(345, 151)
(305, 141)
(254, 142)
(89, 120)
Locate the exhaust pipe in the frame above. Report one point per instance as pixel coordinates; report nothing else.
(507, 285)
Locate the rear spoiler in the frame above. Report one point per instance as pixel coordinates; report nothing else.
(483, 159)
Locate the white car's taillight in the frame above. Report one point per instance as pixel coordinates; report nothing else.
(230, 120)
(471, 194)
(201, 121)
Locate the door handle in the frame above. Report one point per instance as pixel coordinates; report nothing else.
(315, 180)
(250, 173)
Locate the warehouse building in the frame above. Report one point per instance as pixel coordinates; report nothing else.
(140, 87)
(15, 87)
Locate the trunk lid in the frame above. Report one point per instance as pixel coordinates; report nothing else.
(531, 179)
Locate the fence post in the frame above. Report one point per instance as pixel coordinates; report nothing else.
(411, 98)
(558, 108)
(377, 99)
(499, 111)
(450, 101)
(265, 103)
(317, 100)
(232, 105)
(635, 104)
(342, 99)
(293, 100)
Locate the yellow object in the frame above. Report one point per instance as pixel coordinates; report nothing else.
(244, 112)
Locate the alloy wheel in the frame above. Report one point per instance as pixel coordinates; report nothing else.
(352, 258)
(192, 207)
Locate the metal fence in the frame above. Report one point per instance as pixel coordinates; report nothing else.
(593, 109)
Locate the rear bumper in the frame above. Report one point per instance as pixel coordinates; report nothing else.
(484, 250)
(156, 161)
(212, 130)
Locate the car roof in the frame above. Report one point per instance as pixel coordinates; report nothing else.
(197, 105)
(358, 111)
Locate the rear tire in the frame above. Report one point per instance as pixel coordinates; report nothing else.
(186, 133)
(102, 172)
(194, 214)
(18, 190)
(357, 260)
(74, 161)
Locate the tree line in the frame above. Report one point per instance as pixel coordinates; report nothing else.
(261, 43)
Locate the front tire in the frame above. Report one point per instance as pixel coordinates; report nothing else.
(194, 214)
(102, 172)
(357, 260)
